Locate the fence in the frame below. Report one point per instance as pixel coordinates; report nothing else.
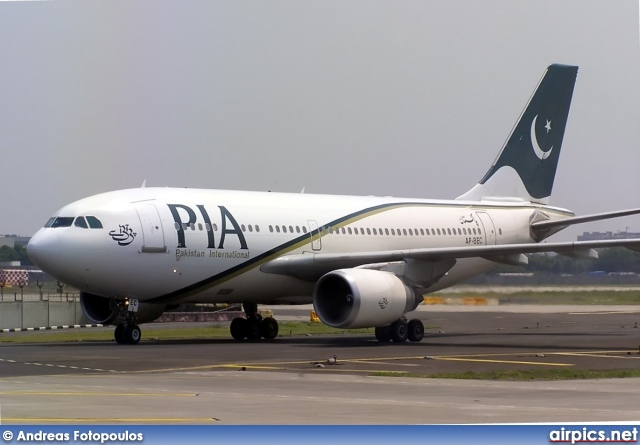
(19, 311)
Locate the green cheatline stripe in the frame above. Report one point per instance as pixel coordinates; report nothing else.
(304, 239)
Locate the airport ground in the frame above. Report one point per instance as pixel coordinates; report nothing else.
(291, 380)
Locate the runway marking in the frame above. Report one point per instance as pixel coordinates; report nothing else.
(604, 312)
(234, 366)
(511, 362)
(99, 420)
(586, 354)
(49, 365)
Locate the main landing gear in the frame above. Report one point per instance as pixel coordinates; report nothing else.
(400, 331)
(254, 326)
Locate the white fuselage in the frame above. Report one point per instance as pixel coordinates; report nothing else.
(179, 245)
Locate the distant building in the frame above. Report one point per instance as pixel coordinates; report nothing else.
(595, 236)
(13, 240)
(8, 241)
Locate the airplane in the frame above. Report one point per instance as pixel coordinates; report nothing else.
(363, 261)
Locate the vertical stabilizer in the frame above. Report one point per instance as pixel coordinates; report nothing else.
(526, 166)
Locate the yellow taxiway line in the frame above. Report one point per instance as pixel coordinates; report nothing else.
(95, 394)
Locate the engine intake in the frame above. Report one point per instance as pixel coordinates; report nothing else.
(361, 298)
(103, 310)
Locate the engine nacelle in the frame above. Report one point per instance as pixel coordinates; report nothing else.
(361, 298)
(104, 311)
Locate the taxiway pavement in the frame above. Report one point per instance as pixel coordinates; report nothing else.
(292, 380)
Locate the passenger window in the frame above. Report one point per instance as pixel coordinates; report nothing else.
(200, 227)
(250, 228)
(290, 229)
(297, 229)
(284, 229)
(438, 231)
(215, 227)
(81, 222)
(94, 223)
(278, 229)
(369, 231)
(207, 227)
(410, 232)
(176, 225)
(349, 229)
(242, 227)
(449, 231)
(257, 228)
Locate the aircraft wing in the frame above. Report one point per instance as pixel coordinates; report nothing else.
(312, 266)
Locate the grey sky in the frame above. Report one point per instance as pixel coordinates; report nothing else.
(411, 98)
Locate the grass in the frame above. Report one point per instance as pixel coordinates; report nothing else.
(525, 375)
(588, 297)
(149, 332)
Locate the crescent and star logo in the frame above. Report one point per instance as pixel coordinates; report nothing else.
(124, 236)
(540, 153)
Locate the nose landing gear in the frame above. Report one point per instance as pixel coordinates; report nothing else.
(127, 333)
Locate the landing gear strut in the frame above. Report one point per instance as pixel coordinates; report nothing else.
(126, 333)
(254, 326)
(400, 331)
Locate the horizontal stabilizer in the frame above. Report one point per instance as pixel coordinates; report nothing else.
(540, 226)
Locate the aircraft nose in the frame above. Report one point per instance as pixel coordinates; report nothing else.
(44, 250)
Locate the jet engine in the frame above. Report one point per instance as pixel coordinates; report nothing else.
(361, 298)
(105, 311)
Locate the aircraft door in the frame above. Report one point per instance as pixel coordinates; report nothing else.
(489, 228)
(152, 232)
(314, 232)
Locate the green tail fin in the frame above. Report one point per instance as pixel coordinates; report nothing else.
(526, 166)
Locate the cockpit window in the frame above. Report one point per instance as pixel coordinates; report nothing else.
(62, 221)
(81, 222)
(94, 222)
(49, 223)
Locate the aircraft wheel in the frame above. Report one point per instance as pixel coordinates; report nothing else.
(416, 330)
(133, 334)
(383, 334)
(399, 331)
(118, 334)
(269, 328)
(253, 329)
(239, 327)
